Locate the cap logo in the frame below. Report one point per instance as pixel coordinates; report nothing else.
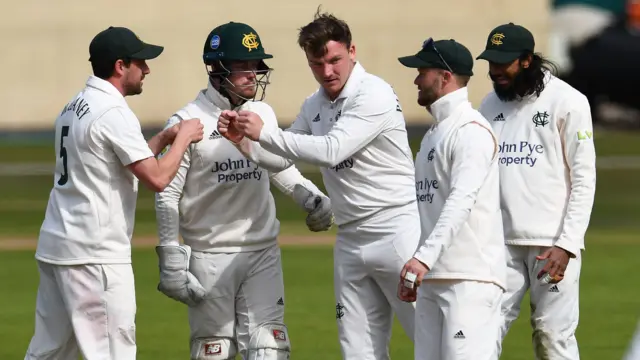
(215, 42)
(496, 39)
(250, 41)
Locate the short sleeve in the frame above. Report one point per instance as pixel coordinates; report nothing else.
(121, 130)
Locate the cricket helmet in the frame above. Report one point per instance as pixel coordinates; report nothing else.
(232, 42)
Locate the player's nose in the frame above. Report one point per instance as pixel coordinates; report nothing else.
(327, 71)
(145, 68)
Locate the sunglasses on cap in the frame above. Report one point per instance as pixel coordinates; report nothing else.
(430, 43)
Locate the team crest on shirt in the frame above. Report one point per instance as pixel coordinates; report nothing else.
(431, 154)
(540, 119)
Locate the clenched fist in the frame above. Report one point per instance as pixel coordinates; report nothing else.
(191, 129)
(227, 128)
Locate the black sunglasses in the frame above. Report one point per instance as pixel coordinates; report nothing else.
(430, 42)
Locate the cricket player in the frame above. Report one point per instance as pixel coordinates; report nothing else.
(354, 129)
(547, 182)
(86, 298)
(229, 270)
(461, 259)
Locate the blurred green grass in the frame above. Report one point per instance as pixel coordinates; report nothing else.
(22, 208)
(24, 198)
(609, 306)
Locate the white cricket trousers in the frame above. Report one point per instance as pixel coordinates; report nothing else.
(244, 290)
(554, 307)
(84, 309)
(457, 320)
(368, 259)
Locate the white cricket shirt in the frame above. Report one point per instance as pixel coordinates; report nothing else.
(360, 142)
(458, 193)
(220, 201)
(91, 210)
(547, 165)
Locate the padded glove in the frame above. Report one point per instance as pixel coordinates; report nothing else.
(175, 279)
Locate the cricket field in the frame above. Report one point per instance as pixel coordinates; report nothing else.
(610, 307)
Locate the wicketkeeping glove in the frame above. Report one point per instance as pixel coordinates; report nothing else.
(320, 217)
(175, 279)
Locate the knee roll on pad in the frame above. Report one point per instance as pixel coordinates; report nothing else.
(270, 341)
(213, 348)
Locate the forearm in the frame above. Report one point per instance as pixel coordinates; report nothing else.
(167, 219)
(578, 213)
(167, 205)
(286, 180)
(159, 142)
(263, 158)
(353, 132)
(169, 164)
(317, 150)
(454, 214)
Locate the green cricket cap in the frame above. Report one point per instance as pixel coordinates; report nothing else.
(506, 43)
(116, 43)
(439, 54)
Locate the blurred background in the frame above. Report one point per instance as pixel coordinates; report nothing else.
(595, 43)
(45, 46)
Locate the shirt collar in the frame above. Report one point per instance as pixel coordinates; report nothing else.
(104, 86)
(214, 96)
(444, 107)
(351, 86)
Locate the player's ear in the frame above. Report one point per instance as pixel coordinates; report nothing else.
(119, 67)
(352, 52)
(446, 76)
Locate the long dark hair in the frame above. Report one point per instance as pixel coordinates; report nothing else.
(532, 80)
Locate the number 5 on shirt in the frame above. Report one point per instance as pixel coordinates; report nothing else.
(63, 154)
